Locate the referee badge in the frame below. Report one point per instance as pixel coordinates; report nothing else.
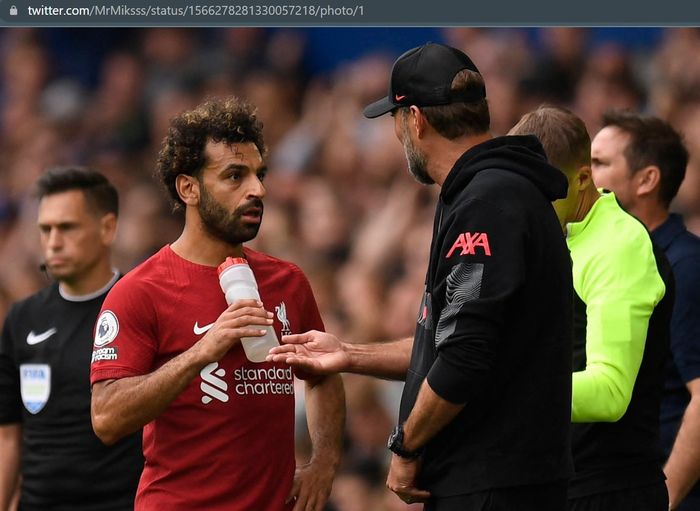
(35, 386)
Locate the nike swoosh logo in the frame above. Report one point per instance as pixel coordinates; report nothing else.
(199, 330)
(399, 98)
(33, 338)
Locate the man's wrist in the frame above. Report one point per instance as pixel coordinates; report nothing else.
(396, 445)
(328, 464)
(353, 354)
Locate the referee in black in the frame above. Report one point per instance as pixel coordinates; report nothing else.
(48, 451)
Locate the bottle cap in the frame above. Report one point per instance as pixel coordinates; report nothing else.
(230, 261)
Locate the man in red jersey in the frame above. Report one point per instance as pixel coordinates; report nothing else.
(218, 428)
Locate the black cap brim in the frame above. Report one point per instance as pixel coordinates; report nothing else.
(381, 107)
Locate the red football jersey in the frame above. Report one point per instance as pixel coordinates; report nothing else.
(227, 442)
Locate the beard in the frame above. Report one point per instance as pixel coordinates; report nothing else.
(227, 226)
(417, 162)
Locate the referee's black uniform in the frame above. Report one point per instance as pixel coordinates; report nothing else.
(45, 354)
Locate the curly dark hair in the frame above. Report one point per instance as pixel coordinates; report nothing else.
(229, 120)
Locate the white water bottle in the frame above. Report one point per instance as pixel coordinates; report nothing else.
(238, 283)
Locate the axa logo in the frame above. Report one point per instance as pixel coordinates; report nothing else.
(468, 242)
(213, 385)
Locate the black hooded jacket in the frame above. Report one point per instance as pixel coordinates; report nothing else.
(495, 326)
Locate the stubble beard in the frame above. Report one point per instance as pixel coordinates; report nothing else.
(417, 162)
(226, 226)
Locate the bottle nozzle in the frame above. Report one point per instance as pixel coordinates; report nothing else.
(230, 261)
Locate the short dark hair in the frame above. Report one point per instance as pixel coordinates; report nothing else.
(461, 119)
(230, 120)
(652, 142)
(563, 136)
(99, 193)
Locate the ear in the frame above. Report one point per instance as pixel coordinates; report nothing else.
(188, 189)
(418, 122)
(584, 177)
(647, 180)
(108, 228)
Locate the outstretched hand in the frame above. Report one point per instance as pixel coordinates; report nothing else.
(313, 352)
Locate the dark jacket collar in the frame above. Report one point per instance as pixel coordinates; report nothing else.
(522, 154)
(664, 234)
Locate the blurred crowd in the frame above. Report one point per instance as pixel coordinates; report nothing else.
(339, 203)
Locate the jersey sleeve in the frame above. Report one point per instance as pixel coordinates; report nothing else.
(685, 323)
(10, 401)
(620, 290)
(125, 334)
(481, 265)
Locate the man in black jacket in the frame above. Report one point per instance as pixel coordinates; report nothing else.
(485, 412)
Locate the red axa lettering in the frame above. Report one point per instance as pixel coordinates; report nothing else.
(468, 242)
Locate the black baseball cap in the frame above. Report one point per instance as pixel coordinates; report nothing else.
(423, 77)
